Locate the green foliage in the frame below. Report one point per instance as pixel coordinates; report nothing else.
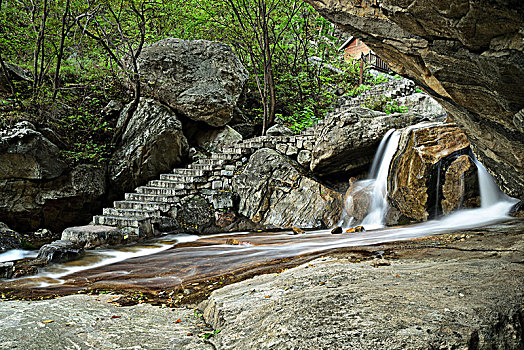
(380, 78)
(206, 335)
(417, 90)
(384, 104)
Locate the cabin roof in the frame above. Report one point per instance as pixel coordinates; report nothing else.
(346, 43)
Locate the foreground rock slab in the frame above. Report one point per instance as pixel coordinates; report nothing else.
(88, 322)
(467, 294)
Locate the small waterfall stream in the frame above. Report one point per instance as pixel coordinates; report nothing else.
(379, 176)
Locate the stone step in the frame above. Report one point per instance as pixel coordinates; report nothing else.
(131, 213)
(119, 221)
(153, 198)
(164, 191)
(137, 205)
(190, 172)
(225, 156)
(211, 161)
(204, 167)
(183, 178)
(228, 149)
(176, 185)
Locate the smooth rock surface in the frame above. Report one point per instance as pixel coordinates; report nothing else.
(274, 192)
(468, 54)
(85, 322)
(347, 141)
(468, 295)
(431, 173)
(153, 143)
(200, 79)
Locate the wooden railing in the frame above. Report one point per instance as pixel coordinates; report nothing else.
(376, 62)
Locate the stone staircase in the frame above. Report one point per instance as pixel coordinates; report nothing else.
(392, 89)
(148, 207)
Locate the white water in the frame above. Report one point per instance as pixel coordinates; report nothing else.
(17, 254)
(382, 161)
(103, 257)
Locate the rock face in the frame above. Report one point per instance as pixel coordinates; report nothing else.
(9, 239)
(152, 143)
(469, 55)
(26, 154)
(424, 104)
(347, 141)
(358, 200)
(199, 79)
(36, 187)
(431, 174)
(273, 192)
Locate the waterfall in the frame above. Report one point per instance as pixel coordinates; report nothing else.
(379, 174)
(490, 194)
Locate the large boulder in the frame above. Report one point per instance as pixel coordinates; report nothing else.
(200, 79)
(26, 154)
(37, 189)
(212, 139)
(347, 141)
(15, 73)
(275, 193)
(468, 54)
(153, 143)
(432, 173)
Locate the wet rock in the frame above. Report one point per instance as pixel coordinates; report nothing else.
(279, 130)
(200, 79)
(153, 143)
(467, 54)
(9, 239)
(273, 192)
(517, 210)
(196, 214)
(60, 251)
(358, 200)
(337, 230)
(432, 173)
(29, 204)
(347, 141)
(298, 230)
(7, 269)
(355, 229)
(91, 236)
(460, 189)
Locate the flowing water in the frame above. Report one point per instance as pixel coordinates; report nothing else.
(172, 260)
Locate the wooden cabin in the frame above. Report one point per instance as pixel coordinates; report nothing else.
(356, 49)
